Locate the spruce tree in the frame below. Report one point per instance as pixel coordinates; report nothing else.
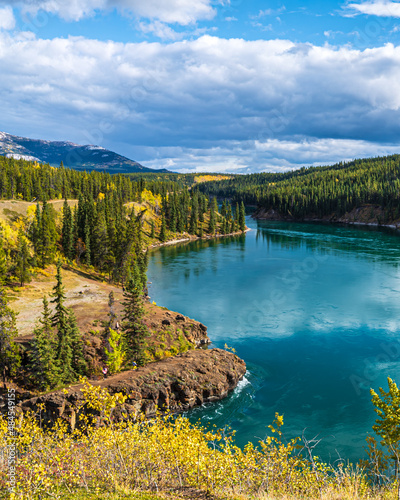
(135, 332)
(43, 356)
(242, 220)
(60, 321)
(152, 233)
(87, 244)
(163, 230)
(47, 236)
(68, 232)
(79, 364)
(211, 222)
(194, 216)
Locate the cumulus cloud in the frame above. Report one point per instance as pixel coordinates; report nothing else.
(209, 103)
(183, 12)
(7, 19)
(381, 8)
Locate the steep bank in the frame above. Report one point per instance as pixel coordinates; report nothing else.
(369, 215)
(176, 384)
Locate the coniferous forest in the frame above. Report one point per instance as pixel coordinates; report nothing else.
(319, 191)
(55, 220)
(100, 223)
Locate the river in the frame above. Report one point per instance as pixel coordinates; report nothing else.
(313, 309)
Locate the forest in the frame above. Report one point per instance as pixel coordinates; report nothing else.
(101, 224)
(319, 191)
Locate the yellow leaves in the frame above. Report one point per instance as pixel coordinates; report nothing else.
(101, 196)
(165, 453)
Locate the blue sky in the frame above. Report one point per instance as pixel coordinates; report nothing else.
(205, 85)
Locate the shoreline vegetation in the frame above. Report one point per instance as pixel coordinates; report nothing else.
(98, 228)
(63, 437)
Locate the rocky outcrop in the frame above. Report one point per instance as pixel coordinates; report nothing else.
(176, 384)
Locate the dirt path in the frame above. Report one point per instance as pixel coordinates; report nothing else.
(87, 297)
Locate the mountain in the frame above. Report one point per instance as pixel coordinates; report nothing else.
(72, 155)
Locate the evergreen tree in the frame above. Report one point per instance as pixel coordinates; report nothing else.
(47, 236)
(163, 230)
(79, 364)
(68, 232)
(9, 356)
(87, 243)
(60, 321)
(135, 332)
(211, 223)
(43, 356)
(152, 233)
(242, 220)
(193, 216)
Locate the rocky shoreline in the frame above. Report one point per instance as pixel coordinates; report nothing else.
(176, 384)
(362, 216)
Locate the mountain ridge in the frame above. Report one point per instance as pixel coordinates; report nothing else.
(87, 157)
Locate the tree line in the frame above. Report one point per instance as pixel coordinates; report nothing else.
(319, 191)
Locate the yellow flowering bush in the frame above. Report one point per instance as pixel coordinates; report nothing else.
(164, 453)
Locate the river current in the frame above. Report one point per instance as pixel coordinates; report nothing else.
(313, 309)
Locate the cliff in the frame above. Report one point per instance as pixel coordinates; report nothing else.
(176, 384)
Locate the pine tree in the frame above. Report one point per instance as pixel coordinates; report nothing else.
(79, 364)
(60, 321)
(242, 220)
(193, 216)
(135, 332)
(211, 223)
(163, 230)
(43, 356)
(152, 233)
(9, 356)
(68, 232)
(87, 243)
(47, 236)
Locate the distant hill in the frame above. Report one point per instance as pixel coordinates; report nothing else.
(72, 155)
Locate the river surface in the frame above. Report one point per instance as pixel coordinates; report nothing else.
(314, 310)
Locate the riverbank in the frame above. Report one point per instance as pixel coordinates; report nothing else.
(367, 215)
(191, 237)
(175, 384)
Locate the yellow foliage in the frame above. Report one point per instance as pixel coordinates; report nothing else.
(209, 178)
(101, 196)
(162, 454)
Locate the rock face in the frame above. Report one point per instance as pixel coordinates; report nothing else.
(176, 384)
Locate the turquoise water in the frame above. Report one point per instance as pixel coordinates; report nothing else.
(314, 310)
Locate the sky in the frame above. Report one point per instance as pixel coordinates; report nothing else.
(205, 85)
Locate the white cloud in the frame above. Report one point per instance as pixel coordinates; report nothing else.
(7, 19)
(182, 12)
(379, 8)
(207, 104)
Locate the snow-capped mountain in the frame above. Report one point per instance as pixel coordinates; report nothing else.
(71, 155)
